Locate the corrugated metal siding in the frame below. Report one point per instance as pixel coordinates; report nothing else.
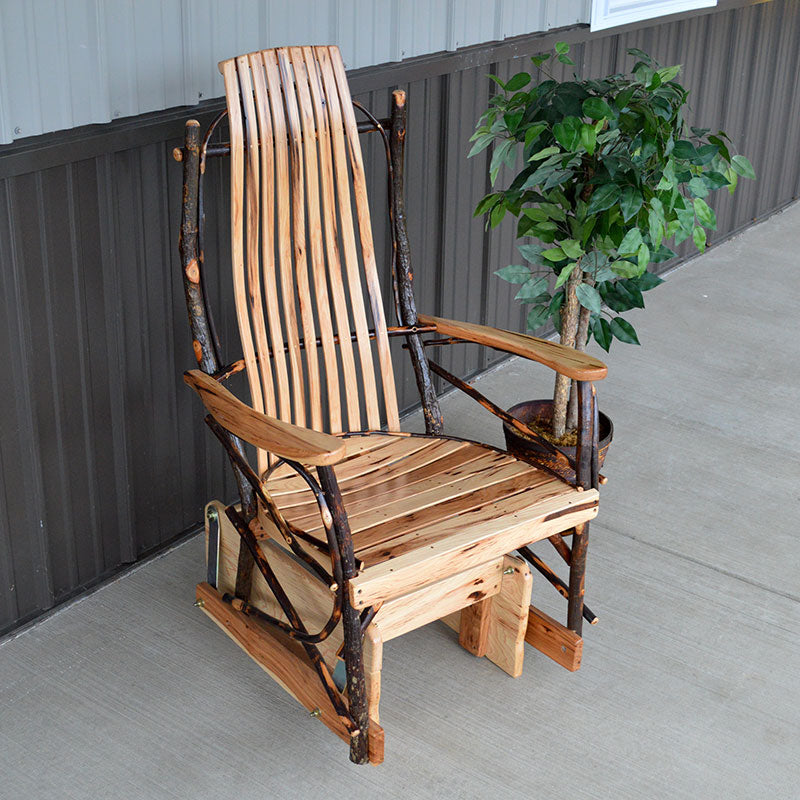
(73, 62)
(103, 457)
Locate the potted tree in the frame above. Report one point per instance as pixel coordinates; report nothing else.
(610, 173)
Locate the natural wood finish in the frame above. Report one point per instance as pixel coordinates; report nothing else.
(281, 438)
(508, 618)
(564, 360)
(298, 171)
(561, 644)
(438, 599)
(473, 632)
(468, 540)
(311, 598)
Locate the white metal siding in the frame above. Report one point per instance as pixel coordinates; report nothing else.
(72, 62)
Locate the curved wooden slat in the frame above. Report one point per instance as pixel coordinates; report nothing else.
(330, 225)
(233, 95)
(348, 239)
(273, 316)
(316, 250)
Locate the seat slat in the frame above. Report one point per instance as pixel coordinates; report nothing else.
(419, 465)
(388, 539)
(472, 538)
(284, 479)
(408, 499)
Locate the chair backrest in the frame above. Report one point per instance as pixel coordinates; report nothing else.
(302, 246)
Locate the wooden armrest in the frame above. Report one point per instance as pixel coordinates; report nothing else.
(281, 438)
(569, 362)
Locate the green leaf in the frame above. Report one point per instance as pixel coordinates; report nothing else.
(684, 150)
(568, 132)
(705, 214)
(497, 214)
(698, 187)
(643, 257)
(603, 197)
(532, 133)
(481, 143)
(647, 281)
(656, 227)
(565, 59)
(554, 254)
(537, 317)
(699, 236)
(668, 73)
(630, 242)
(572, 248)
(517, 81)
(602, 333)
(721, 146)
(514, 273)
(588, 138)
(532, 253)
(715, 180)
(562, 48)
(554, 309)
(636, 53)
(597, 108)
(625, 269)
(624, 331)
(502, 154)
(743, 167)
(512, 120)
(630, 202)
(540, 59)
(565, 273)
(589, 297)
(531, 289)
(548, 151)
(488, 202)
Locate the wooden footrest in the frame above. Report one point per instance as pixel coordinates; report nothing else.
(561, 644)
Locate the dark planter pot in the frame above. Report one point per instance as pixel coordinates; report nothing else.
(541, 412)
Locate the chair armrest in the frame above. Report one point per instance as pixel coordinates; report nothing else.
(565, 360)
(281, 438)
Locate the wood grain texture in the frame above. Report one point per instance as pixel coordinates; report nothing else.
(438, 599)
(312, 600)
(564, 360)
(473, 629)
(468, 540)
(553, 639)
(303, 254)
(508, 618)
(281, 438)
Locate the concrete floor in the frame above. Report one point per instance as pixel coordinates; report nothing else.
(689, 684)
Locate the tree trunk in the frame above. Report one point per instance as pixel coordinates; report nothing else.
(580, 344)
(569, 326)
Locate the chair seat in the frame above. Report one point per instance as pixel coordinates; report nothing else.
(413, 499)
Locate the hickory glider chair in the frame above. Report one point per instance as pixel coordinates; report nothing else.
(350, 533)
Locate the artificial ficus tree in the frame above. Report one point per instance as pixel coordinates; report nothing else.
(611, 172)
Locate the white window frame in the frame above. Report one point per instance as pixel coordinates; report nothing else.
(611, 13)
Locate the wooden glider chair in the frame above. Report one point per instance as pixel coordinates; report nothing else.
(357, 531)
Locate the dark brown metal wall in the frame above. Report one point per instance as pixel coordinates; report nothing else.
(102, 456)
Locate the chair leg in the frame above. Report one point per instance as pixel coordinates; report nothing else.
(577, 575)
(504, 617)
